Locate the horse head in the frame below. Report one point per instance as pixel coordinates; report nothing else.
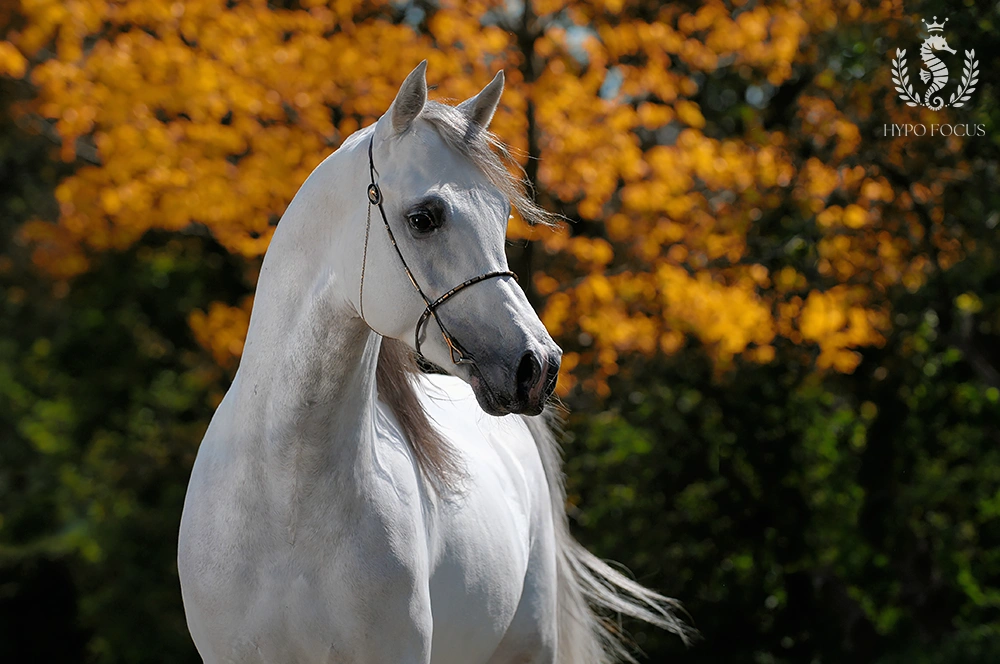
(439, 278)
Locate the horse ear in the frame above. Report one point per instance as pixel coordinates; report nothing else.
(410, 99)
(480, 109)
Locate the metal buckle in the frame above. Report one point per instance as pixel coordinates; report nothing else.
(458, 355)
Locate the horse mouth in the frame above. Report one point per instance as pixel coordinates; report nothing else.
(494, 404)
(485, 395)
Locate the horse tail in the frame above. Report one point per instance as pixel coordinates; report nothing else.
(590, 593)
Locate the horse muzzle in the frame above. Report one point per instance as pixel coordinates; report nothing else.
(521, 387)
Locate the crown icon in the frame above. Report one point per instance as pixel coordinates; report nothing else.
(935, 27)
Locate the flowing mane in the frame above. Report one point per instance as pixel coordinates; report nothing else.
(395, 377)
(487, 153)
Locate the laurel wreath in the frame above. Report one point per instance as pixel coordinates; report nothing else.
(901, 77)
(970, 77)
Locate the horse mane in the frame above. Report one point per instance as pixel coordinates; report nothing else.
(490, 155)
(395, 377)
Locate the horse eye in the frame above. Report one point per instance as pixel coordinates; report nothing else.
(422, 221)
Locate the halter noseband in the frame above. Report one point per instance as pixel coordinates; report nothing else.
(458, 354)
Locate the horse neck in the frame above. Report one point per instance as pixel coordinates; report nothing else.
(306, 380)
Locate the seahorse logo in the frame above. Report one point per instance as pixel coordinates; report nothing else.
(936, 69)
(935, 72)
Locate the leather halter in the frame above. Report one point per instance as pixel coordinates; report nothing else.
(458, 354)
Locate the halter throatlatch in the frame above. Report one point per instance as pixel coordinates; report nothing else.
(458, 354)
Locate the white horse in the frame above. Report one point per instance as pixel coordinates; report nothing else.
(343, 507)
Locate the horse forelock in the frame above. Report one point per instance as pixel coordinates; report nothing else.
(489, 154)
(395, 377)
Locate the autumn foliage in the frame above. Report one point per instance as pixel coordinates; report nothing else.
(780, 318)
(210, 114)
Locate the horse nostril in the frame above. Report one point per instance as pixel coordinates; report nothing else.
(528, 373)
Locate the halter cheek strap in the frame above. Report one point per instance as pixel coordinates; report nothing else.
(458, 354)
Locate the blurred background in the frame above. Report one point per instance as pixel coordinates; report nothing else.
(780, 307)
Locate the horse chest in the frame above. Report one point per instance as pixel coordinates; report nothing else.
(493, 546)
(325, 578)
(477, 580)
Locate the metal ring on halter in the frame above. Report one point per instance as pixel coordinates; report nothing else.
(458, 354)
